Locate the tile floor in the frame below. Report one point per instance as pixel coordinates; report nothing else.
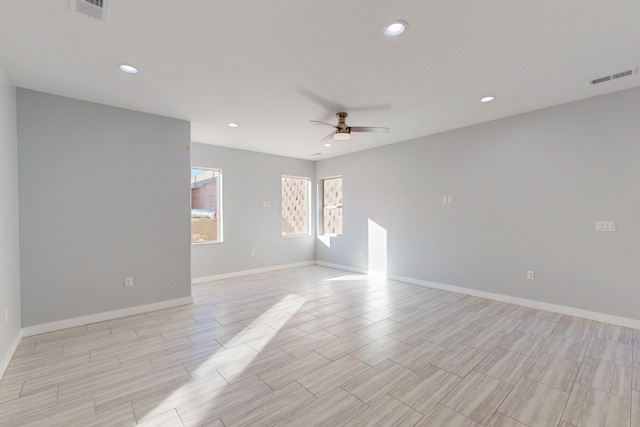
(318, 346)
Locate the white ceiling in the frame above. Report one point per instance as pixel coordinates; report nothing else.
(271, 66)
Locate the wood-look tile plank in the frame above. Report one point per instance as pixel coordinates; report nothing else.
(371, 385)
(10, 390)
(553, 371)
(447, 336)
(307, 342)
(340, 347)
(332, 410)
(85, 385)
(566, 347)
(289, 371)
(387, 412)
(271, 407)
(425, 390)
(319, 323)
(329, 377)
(534, 404)
(419, 356)
(379, 350)
(348, 326)
(239, 356)
(168, 419)
(380, 329)
(68, 375)
(180, 354)
(168, 380)
(208, 406)
(118, 416)
(59, 415)
(504, 365)
(588, 407)
(460, 359)
(605, 376)
(197, 390)
(501, 420)
(477, 397)
(251, 365)
(611, 351)
(16, 408)
(523, 343)
(443, 416)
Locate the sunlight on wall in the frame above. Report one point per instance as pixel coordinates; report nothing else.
(234, 358)
(377, 249)
(326, 240)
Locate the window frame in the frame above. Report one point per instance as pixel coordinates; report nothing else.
(322, 206)
(219, 205)
(309, 211)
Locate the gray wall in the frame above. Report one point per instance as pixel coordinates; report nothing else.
(9, 243)
(527, 192)
(104, 194)
(248, 180)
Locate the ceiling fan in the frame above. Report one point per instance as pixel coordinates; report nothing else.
(343, 132)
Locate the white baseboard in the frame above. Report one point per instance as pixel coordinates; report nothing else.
(204, 279)
(101, 317)
(6, 357)
(554, 308)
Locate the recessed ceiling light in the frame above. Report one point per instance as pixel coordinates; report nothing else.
(129, 69)
(327, 145)
(487, 99)
(395, 28)
(232, 125)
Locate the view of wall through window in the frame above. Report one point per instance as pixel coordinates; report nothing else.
(206, 205)
(332, 206)
(295, 206)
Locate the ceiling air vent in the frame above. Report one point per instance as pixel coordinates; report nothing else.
(614, 76)
(92, 8)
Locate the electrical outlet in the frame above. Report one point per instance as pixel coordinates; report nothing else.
(531, 275)
(128, 282)
(253, 253)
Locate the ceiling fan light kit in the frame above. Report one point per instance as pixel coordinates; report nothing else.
(342, 132)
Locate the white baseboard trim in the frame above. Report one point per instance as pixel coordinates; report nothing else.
(554, 308)
(6, 358)
(205, 279)
(101, 317)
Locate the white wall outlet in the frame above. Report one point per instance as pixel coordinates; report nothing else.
(6, 315)
(605, 226)
(445, 200)
(531, 275)
(253, 253)
(128, 282)
(450, 200)
(360, 253)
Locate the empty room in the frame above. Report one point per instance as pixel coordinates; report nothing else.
(305, 213)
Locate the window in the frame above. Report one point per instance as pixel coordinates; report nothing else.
(332, 206)
(206, 206)
(295, 206)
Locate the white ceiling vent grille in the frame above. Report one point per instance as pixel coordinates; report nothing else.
(614, 76)
(92, 8)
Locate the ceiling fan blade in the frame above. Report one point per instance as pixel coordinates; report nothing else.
(323, 123)
(328, 137)
(368, 129)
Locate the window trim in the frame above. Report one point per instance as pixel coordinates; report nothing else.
(219, 205)
(321, 207)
